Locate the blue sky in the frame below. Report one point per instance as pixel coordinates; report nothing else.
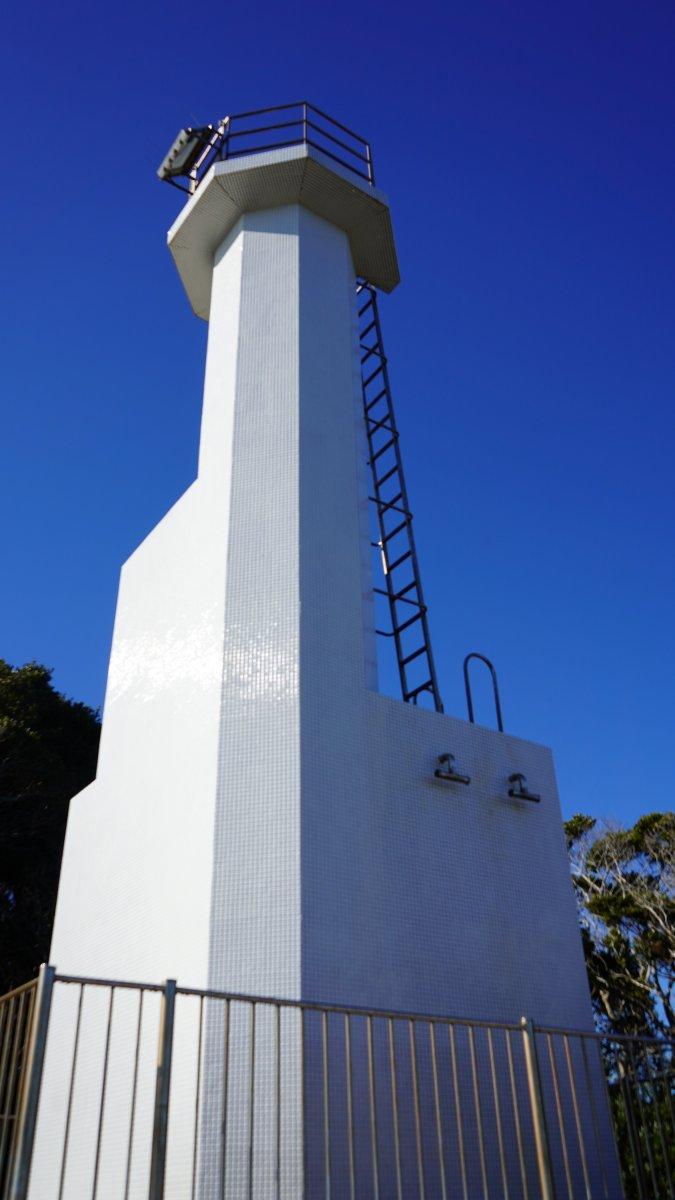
(527, 153)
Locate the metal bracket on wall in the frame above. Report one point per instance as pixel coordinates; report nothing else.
(495, 688)
(447, 771)
(519, 789)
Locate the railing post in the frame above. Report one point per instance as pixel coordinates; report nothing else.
(537, 1109)
(30, 1090)
(162, 1088)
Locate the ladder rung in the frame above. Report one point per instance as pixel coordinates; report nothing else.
(370, 350)
(414, 655)
(379, 482)
(383, 449)
(424, 687)
(391, 506)
(392, 598)
(375, 425)
(368, 328)
(406, 624)
(375, 373)
(367, 305)
(400, 595)
(392, 533)
(372, 403)
(392, 566)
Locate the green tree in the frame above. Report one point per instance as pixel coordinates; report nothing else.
(48, 751)
(624, 881)
(625, 885)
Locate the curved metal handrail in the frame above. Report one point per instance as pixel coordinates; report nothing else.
(495, 688)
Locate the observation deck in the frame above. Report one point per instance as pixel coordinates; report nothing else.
(293, 154)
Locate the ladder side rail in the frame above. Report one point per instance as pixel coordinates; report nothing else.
(393, 592)
(383, 506)
(406, 506)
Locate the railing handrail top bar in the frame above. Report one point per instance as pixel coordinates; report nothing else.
(313, 1005)
(343, 1009)
(331, 137)
(24, 987)
(604, 1037)
(344, 128)
(355, 1010)
(257, 112)
(95, 981)
(242, 133)
(238, 133)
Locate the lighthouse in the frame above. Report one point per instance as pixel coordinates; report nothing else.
(264, 820)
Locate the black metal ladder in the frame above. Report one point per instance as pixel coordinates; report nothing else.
(403, 587)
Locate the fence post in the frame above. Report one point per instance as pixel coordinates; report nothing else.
(162, 1087)
(32, 1079)
(537, 1109)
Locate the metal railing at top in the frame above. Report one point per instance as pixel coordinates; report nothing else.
(150, 1090)
(284, 125)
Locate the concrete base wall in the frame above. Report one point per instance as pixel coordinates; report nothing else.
(443, 898)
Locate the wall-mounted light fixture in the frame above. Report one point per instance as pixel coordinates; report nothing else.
(447, 771)
(519, 789)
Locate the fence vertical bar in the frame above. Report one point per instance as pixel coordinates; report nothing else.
(162, 1090)
(665, 1148)
(277, 1103)
(71, 1088)
(437, 1107)
(12, 1091)
(198, 1096)
(632, 1132)
(594, 1115)
(224, 1112)
(326, 1105)
(643, 1120)
(561, 1117)
(350, 1107)
(416, 1110)
(134, 1092)
(394, 1109)
(458, 1109)
(498, 1115)
(577, 1118)
(251, 1105)
(537, 1109)
(104, 1087)
(516, 1115)
(30, 1097)
(373, 1109)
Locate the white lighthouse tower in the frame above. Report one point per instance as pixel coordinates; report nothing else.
(263, 820)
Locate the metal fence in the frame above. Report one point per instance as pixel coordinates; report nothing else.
(150, 1091)
(16, 1017)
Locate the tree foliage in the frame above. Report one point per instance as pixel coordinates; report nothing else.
(48, 751)
(624, 881)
